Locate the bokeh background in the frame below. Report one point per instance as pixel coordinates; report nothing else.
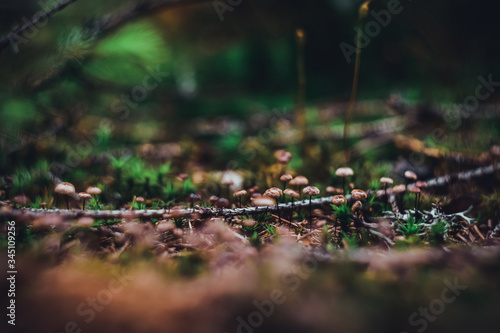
(65, 81)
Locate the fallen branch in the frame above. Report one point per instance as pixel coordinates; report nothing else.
(32, 213)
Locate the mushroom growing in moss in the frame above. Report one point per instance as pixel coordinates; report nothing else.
(386, 181)
(240, 194)
(339, 200)
(66, 189)
(222, 203)
(94, 191)
(416, 191)
(311, 191)
(399, 190)
(275, 193)
(358, 194)
(213, 199)
(292, 194)
(84, 196)
(285, 178)
(410, 176)
(344, 172)
(192, 198)
(299, 181)
(263, 202)
(356, 207)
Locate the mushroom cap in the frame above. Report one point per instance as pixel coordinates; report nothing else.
(213, 198)
(263, 202)
(273, 192)
(299, 181)
(65, 188)
(495, 150)
(175, 213)
(93, 190)
(358, 194)
(356, 206)
(291, 193)
(84, 195)
(286, 177)
(421, 184)
(344, 172)
(240, 193)
(311, 190)
(410, 175)
(21, 199)
(400, 188)
(194, 197)
(414, 190)
(222, 203)
(386, 180)
(339, 200)
(253, 189)
(140, 199)
(283, 156)
(331, 189)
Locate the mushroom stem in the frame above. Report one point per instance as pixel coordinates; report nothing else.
(310, 213)
(67, 202)
(83, 207)
(284, 188)
(278, 209)
(343, 185)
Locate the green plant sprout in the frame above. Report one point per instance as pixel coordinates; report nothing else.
(411, 227)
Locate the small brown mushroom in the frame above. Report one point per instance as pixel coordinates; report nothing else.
(339, 200)
(94, 191)
(292, 194)
(386, 181)
(263, 201)
(240, 194)
(311, 191)
(299, 181)
(66, 189)
(344, 172)
(84, 196)
(358, 194)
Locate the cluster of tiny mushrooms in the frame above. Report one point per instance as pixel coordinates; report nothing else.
(272, 195)
(68, 190)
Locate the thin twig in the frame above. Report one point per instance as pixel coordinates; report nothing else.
(206, 212)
